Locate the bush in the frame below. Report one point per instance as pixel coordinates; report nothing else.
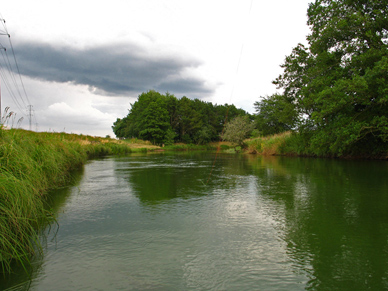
(224, 147)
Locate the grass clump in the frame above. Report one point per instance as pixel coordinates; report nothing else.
(224, 147)
(277, 144)
(30, 164)
(189, 147)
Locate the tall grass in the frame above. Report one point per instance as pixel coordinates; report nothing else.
(30, 164)
(277, 144)
(189, 147)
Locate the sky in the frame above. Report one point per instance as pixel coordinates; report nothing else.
(80, 64)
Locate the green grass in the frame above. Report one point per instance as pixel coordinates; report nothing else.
(189, 147)
(278, 144)
(31, 164)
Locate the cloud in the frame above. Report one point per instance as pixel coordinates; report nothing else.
(62, 116)
(68, 107)
(117, 69)
(182, 85)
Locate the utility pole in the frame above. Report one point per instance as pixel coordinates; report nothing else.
(1, 120)
(30, 115)
(2, 48)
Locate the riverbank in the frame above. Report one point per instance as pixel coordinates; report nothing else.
(292, 144)
(277, 144)
(282, 144)
(31, 164)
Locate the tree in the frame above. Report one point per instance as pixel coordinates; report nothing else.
(237, 130)
(169, 137)
(155, 122)
(203, 136)
(275, 114)
(119, 127)
(166, 119)
(340, 81)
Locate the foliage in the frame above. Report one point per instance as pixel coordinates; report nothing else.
(275, 114)
(270, 145)
(237, 130)
(164, 119)
(154, 122)
(189, 147)
(169, 137)
(224, 147)
(339, 82)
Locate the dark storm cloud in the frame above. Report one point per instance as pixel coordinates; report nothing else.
(114, 70)
(183, 85)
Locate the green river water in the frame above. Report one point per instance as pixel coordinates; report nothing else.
(170, 222)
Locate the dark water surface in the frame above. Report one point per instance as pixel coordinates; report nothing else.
(152, 222)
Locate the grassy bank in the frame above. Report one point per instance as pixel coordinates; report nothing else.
(189, 147)
(30, 164)
(278, 144)
(293, 144)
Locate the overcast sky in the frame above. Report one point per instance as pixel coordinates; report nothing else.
(83, 62)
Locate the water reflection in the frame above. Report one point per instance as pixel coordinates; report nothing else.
(270, 223)
(160, 177)
(156, 178)
(333, 216)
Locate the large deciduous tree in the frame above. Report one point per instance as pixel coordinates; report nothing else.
(154, 123)
(237, 130)
(339, 82)
(275, 114)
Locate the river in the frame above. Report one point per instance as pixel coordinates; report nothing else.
(194, 221)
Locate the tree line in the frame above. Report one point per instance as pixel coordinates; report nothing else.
(334, 90)
(165, 119)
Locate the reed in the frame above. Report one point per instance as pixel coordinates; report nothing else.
(31, 164)
(270, 145)
(189, 147)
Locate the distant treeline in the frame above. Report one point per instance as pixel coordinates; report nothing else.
(165, 119)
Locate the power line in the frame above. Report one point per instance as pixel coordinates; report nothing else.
(231, 94)
(16, 64)
(17, 67)
(241, 53)
(7, 74)
(8, 85)
(9, 66)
